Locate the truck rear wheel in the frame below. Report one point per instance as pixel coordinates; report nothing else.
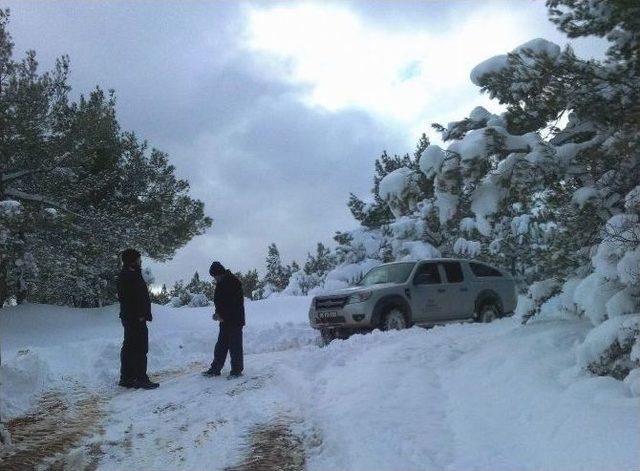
(394, 319)
(488, 313)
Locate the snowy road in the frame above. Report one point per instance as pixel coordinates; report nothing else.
(460, 397)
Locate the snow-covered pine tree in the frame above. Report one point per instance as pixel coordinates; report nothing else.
(179, 296)
(251, 283)
(161, 297)
(552, 204)
(277, 275)
(320, 263)
(376, 213)
(312, 275)
(196, 285)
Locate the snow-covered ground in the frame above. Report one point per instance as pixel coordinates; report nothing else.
(460, 397)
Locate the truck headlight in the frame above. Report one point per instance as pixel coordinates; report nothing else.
(359, 297)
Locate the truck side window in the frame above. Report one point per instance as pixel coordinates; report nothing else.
(427, 274)
(480, 269)
(453, 271)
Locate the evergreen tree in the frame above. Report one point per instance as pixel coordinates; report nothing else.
(196, 285)
(75, 189)
(179, 294)
(320, 263)
(277, 276)
(250, 284)
(161, 297)
(378, 212)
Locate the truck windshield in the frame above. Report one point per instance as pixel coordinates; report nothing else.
(394, 273)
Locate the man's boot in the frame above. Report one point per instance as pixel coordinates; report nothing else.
(127, 383)
(211, 372)
(145, 383)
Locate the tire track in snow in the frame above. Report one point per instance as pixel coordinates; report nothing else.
(273, 445)
(58, 424)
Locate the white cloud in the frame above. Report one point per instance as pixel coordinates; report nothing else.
(400, 75)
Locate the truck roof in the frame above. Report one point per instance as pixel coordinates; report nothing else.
(435, 259)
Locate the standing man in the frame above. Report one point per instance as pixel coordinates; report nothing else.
(135, 311)
(228, 299)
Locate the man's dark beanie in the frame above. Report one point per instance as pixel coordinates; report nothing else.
(216, 269)
(129, 256)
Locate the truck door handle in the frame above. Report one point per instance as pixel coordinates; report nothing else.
(464, 289)
(441, 290)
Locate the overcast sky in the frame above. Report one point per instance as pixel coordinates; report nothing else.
(276, 111)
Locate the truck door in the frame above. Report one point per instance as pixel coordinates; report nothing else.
(428, 293)
(459, 303)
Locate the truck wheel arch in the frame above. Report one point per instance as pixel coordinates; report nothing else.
(383, 304)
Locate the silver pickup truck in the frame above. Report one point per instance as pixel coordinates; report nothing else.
(426, 292)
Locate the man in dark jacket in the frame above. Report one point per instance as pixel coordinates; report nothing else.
(135, 311)
(229, 304)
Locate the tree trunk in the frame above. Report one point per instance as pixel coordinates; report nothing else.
(21, 296)
(4, 290)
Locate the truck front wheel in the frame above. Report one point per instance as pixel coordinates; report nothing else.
(328, 335)
(394, 319)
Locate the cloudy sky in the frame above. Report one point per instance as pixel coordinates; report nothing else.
(276, 111)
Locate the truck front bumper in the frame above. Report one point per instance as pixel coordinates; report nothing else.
(354, 316)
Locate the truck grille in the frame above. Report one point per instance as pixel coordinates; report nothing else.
(331, 303)
(330, 320)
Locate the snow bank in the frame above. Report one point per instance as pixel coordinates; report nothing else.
(462, 397)
(47, 347)
(547, 415)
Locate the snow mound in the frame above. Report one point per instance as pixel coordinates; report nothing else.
(51, 347)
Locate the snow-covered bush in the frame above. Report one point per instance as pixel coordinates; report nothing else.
(301, 283)
(175, 301)
(199, 300)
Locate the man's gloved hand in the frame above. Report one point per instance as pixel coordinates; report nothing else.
(215, 316)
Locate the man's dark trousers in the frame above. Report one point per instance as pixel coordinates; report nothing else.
(133, 355)
(229, 340)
